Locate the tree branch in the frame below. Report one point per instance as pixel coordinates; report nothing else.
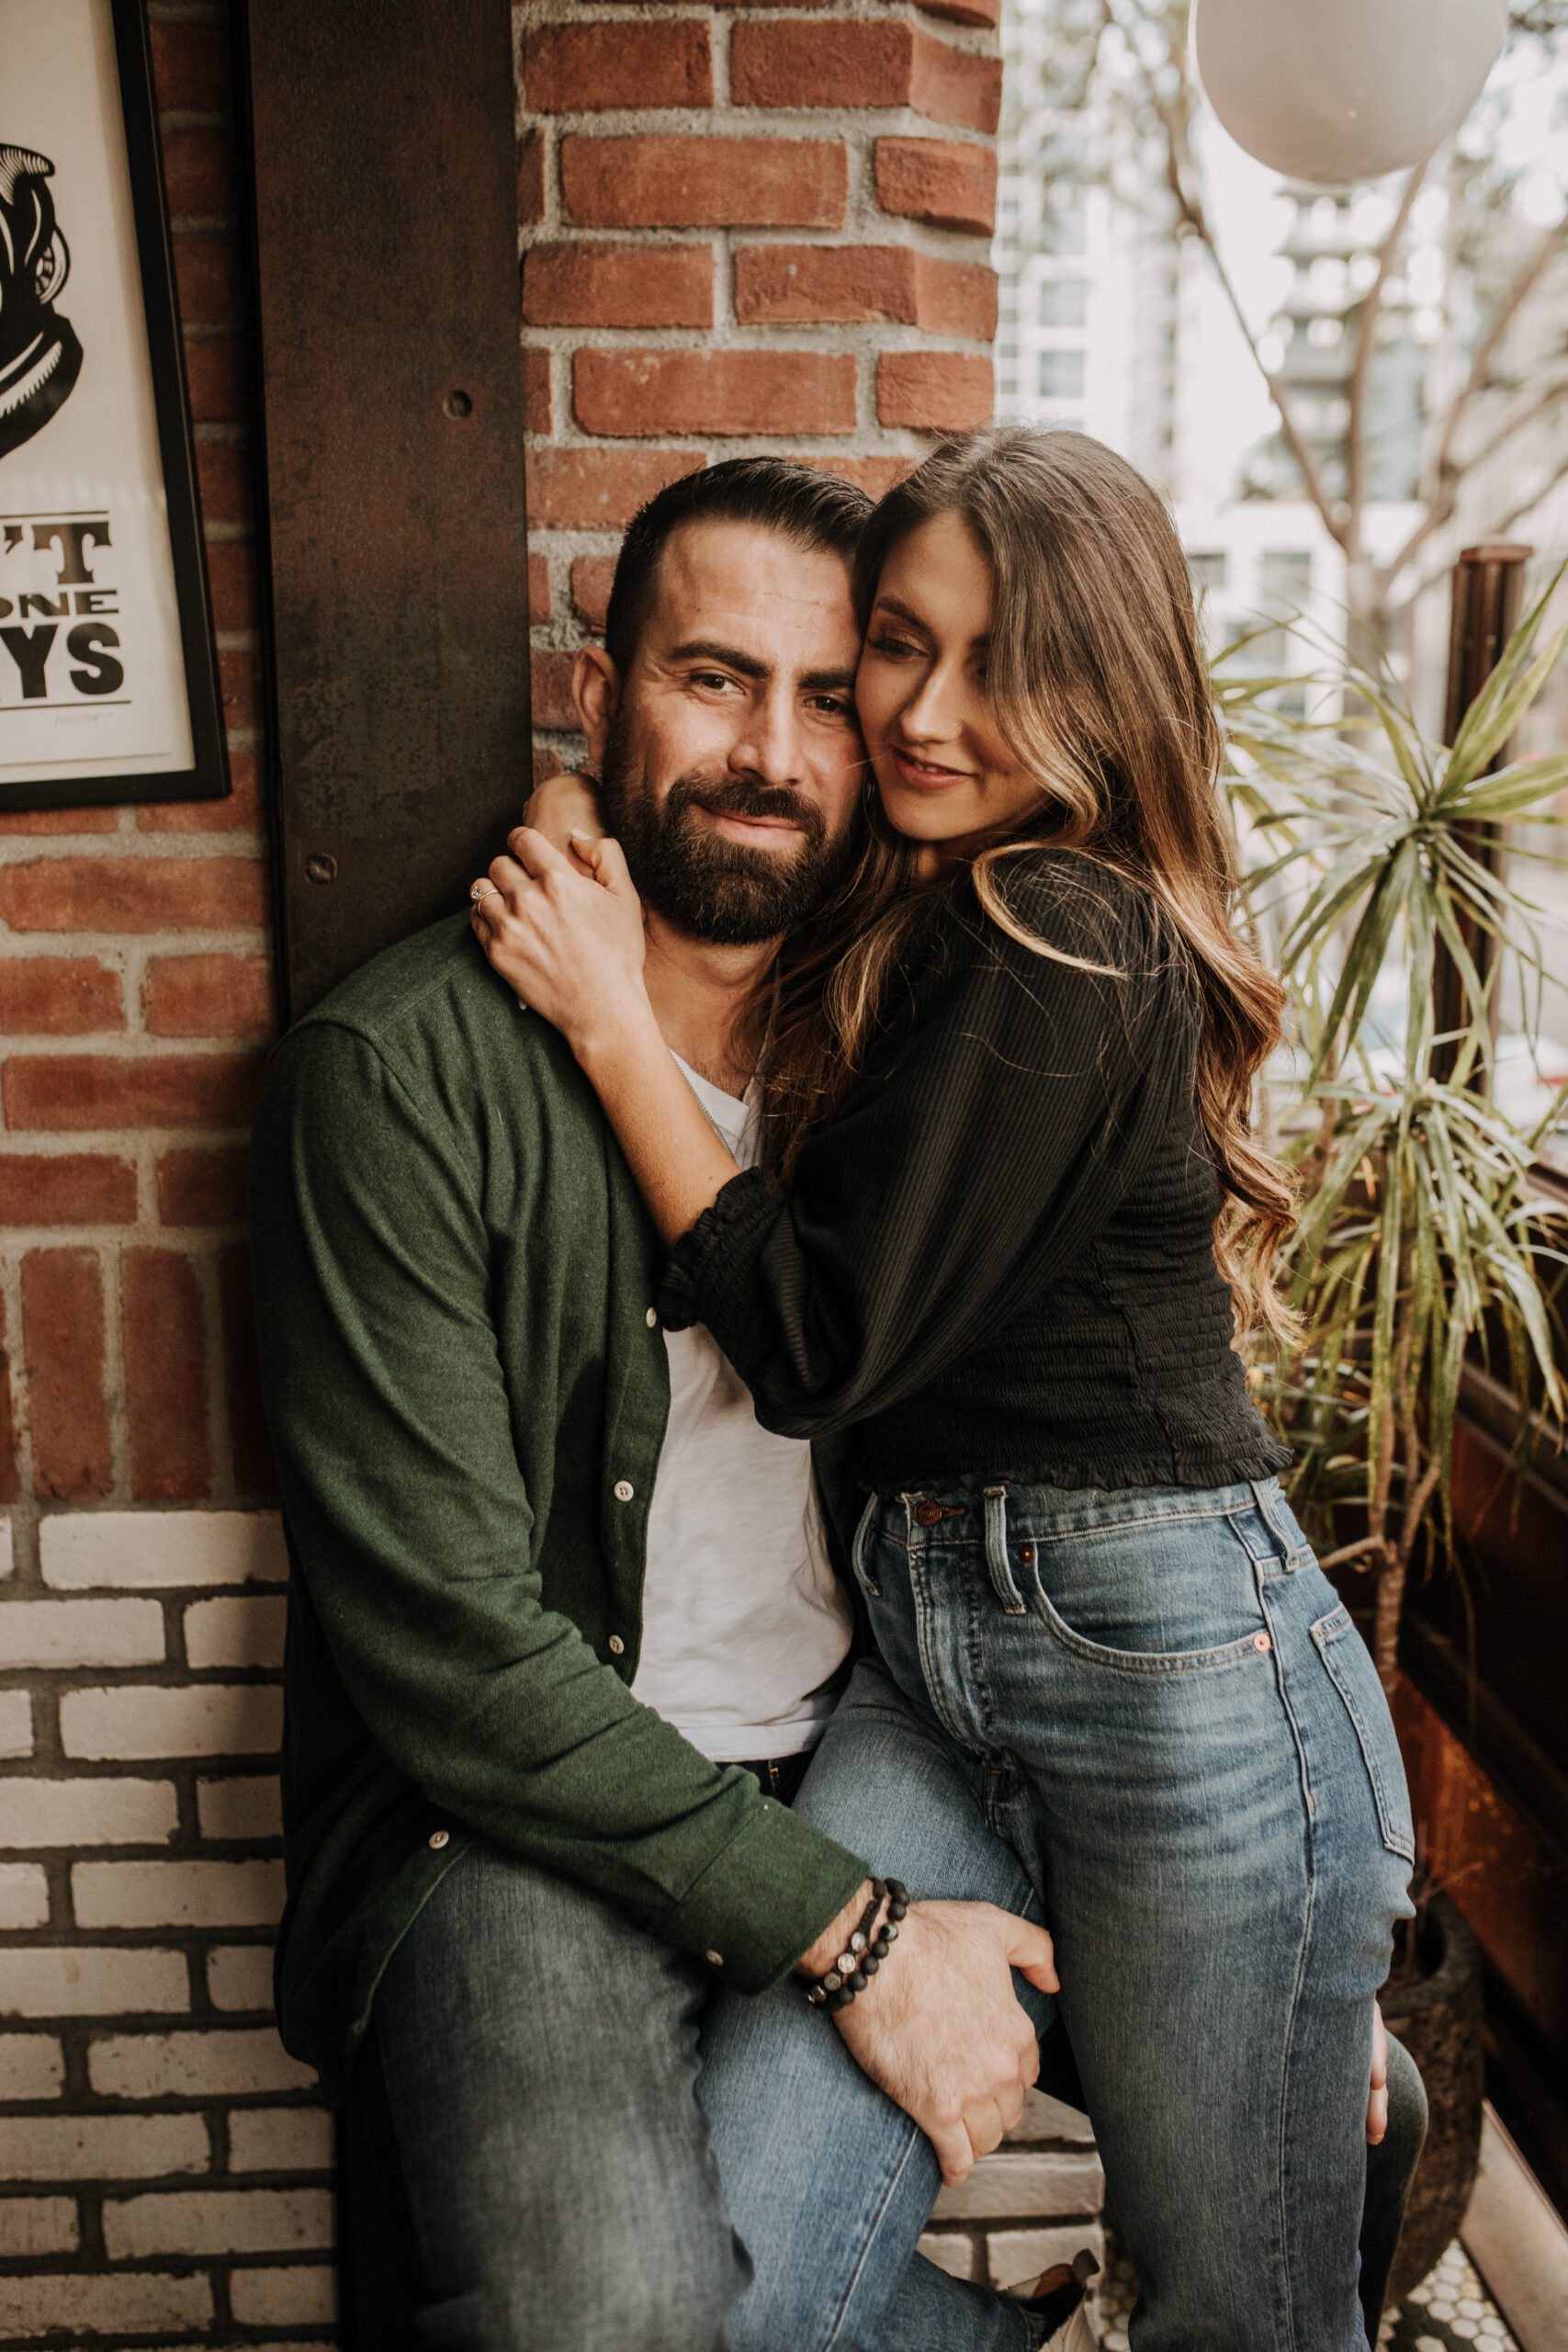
(1439, 572)
(1516, 423)
(1527, 505)
(1371, 1552)
(1501, 318)
(1366, 335)
(1174, 113)
(1438, 493)
(1442, 511)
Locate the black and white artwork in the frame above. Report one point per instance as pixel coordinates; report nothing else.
(39, 355)
(105, 661)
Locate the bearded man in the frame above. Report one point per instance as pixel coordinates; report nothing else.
(565, 1620)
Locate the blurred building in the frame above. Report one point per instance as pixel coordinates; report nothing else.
(1330, 247)
(1102, 331)
(1110, 325)
(1089, 281)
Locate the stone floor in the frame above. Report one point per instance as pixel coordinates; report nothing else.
(1448, 2310)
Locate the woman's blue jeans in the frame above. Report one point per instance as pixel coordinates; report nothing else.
(1153, 1698)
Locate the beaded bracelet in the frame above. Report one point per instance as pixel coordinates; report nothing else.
(868, 1949)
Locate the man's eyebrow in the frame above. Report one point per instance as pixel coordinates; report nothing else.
(707, 648)
(908, 612)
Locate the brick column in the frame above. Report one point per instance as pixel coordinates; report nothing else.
(745, 229)
(165, 2166)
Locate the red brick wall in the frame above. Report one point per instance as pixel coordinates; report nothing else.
(744, 229)
(164, 2165)
(759, 227)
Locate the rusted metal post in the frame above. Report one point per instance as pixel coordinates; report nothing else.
(384, 144)
(1488, 595)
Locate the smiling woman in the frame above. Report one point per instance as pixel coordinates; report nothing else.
(945, 768)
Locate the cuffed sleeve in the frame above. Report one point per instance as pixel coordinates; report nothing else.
(416, 1537)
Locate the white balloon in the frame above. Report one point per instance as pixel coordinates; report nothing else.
(1335, 91)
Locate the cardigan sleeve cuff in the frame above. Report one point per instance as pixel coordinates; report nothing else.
(716, 1259)
(765, 1899)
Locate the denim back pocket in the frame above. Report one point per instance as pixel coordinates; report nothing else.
(1353, 1675)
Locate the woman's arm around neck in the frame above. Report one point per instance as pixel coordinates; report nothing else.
(567, 935)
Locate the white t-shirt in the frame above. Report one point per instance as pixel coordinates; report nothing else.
(743, 1620)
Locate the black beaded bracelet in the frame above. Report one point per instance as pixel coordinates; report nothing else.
(868, 1949)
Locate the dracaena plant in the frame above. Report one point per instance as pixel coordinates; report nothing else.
(1421, 1236)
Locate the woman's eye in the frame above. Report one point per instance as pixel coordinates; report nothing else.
(892, 649)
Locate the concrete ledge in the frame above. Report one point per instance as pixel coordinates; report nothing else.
(1517, 2240)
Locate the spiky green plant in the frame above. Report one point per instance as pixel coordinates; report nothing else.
(1421, 1231)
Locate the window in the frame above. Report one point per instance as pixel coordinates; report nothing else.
(1061, 375)
(1064, 301)
(1062, 227)
(1284, 580)
(1285, 583)
(1208, 569)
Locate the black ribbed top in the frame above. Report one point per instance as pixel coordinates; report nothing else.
(997, 1262)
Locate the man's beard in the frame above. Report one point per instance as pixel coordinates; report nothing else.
(700, 881)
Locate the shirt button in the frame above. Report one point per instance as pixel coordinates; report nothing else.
(439, 1838)
(617, 1644)
(652, 1317)
(713, 1959)
(624, 1490)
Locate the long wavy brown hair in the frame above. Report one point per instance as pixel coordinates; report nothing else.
(1102, 692)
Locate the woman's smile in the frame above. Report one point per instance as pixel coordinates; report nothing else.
(925, 775)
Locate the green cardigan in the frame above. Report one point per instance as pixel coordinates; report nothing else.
(467, 1392)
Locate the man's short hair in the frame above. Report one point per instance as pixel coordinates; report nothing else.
(817, 511)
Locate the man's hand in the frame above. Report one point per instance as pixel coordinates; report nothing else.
(1377, 2102)
(940, 2029)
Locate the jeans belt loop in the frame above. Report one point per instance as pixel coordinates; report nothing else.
(997, 1559)
(1289, 1560)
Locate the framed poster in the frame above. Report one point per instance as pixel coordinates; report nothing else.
(108, 683)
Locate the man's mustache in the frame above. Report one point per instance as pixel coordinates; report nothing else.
(748, 797)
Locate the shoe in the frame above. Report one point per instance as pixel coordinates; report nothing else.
(1076, 2337)
(1058, 2298)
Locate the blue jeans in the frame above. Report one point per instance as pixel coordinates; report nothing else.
(1156, 1703)
(536, 2073)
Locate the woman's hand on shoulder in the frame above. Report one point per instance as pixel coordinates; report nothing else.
(564, 932)
(564, 804)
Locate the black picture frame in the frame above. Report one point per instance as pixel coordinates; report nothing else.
(207, 777)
